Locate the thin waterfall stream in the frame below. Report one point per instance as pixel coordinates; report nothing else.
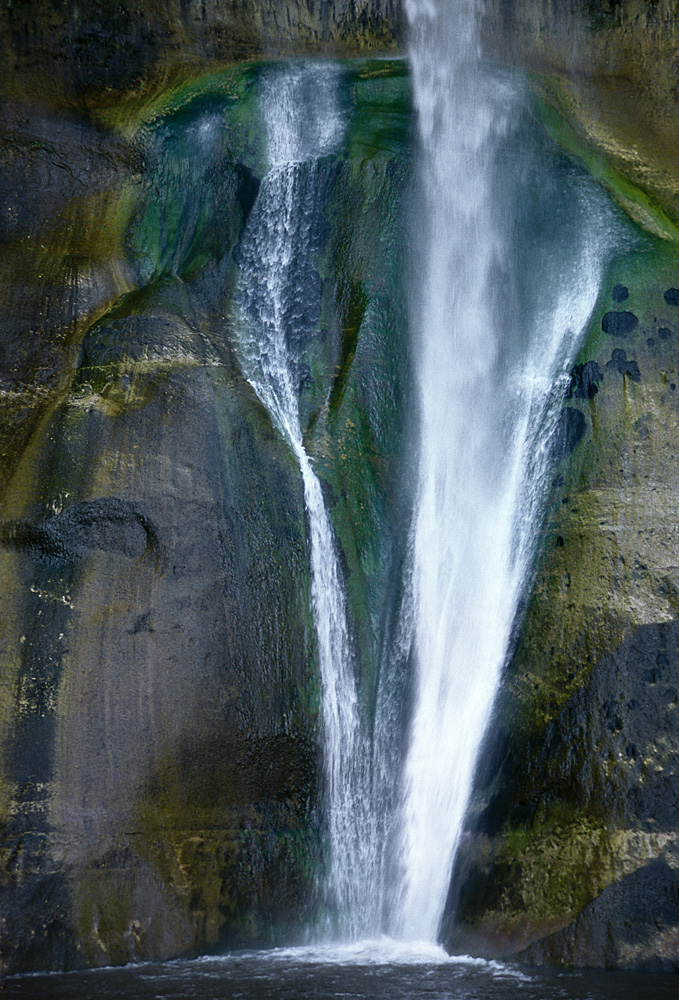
(276, 257)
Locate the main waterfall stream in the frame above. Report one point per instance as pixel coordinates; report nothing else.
(493, 356)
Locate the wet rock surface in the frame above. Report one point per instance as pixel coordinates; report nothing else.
(568, 433)
(620, 363)
(111, 49)
(572, 846)
(107, 524)
(159, 695)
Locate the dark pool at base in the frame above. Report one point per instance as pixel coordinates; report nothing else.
(305, 974)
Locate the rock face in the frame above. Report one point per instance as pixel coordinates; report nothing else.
(109, 48)
(608, 72)
(572, 848)
(159, 698)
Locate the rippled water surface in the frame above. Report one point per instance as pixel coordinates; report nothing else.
(373, 970)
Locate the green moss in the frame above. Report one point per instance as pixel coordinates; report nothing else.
(538, 882)
(232, 84)
(226, 828)
(381, 102)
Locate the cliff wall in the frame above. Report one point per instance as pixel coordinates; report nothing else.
(158, 696)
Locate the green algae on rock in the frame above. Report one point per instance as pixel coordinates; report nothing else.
(160, 694)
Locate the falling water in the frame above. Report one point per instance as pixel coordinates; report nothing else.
(277, 316)
(487, 406)
(492, 360)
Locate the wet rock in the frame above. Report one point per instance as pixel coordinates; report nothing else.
(247, 190)
(568, 433)
(619, 324)
(620, 363)
(584, 380)
(672, 296)
(621, 926)
(620, 293)
(165, 614)
(610, 750)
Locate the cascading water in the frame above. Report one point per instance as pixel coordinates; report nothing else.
(277, 315)
(492, 356)
(486, 378)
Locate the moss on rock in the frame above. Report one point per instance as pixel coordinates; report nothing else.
(581, 770)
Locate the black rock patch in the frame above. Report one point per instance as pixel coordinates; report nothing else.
(568, 433)
(620, 293)
(107, 524)
(620, 363)
(584, 380)
(672, 296)
(664, 332)
(618, 324)
(247, 190)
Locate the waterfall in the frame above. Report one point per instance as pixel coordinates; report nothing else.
(276, 316)
(496, 319)
(486, 382)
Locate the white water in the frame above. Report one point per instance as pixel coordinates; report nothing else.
(486, 392)
(491, 368)
(304, 125)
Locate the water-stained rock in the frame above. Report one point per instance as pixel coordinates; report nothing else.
(568, 433)
(108, 524)
(584, 379)
(619, 324)
(620, 363)
(154, 556)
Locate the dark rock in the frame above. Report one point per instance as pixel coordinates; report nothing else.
(107, 524)
(247, 190)
(584, 380)
(664, 332)
(619, 714)
(620, 923)
(619, 324)
(116, 47)
(620, 363)
(620, 293)
(568, 433)
(672, 296)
